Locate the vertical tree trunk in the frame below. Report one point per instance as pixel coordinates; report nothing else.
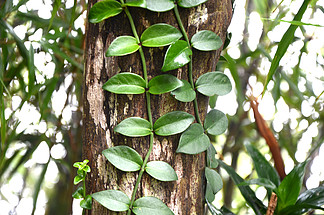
(104, 110)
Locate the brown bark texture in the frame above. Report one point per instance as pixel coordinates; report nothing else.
(102, 110)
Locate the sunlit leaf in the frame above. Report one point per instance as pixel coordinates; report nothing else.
(215, 122)
(212, 83)
(114, 200)
(86, 203)
(150, 205)
(206, 41)
(159, 5)
(122, 45)
(161, 171)
(134, 127)
(214, 179)
(184, 93)
(163, 84)
(136, 3)
(190, 3)
(78, 193)
(103, 10)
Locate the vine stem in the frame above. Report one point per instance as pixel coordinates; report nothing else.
(190, 77)
(148, 106)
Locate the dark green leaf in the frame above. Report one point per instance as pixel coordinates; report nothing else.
(190, 3)
(210, 196)
(103, 10)
(134, 127)
(206, 41)
(246, 191)
(212, 83)
(160, 35)
(114, 200)
(313, 196)
(161, 171)
(213, 209)
(177, 55)
(184, 93)
(214, 179)
(193, 140)
(86, 203)
(77, 179)
(136, 3)
(150, 205)
(290, 186)
(262, 166)
(164, 84)
(125, 83)
(122, 45)
(211, 160)
(124, 158)
(78, 193)
(173, 123)
(259, 181)
(215, 122)
(298, 209)
(159, 5)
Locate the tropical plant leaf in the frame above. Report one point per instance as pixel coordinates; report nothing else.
(164, 84)
(160, 34)
(150, 205)
(136, 3)
(161, 171)
(122, 45)
(212, 83)
(190, 3)
(125, 83)
(124, 158)
(259, 181)
(134, 127)
(184, 93)
(215, 122)
(173, 123)
(214, 179)
(103, 10)
(78, 193)
(86, 203)
(206, 41)
(114, 200)
(159, 5)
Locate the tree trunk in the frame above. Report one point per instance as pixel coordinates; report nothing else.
(104, 110)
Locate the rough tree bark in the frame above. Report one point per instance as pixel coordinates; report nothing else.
(102, 110)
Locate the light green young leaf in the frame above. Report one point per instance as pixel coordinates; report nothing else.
(206, 41)
(214, 179)
(215, 122)
(124, 158)
(134, 127)
(159, 5)
(164, 84)
(177, 55)
(172, 123)
(86, 203)
(150, 205)
(193, 140)
(78, 193)
(103, 10)
(114, 200)
(161, 171)
(190, 3)
(212, 83)
(125, 83)
(184, 93)
(160, 35)
(136, 3)
(122, 45)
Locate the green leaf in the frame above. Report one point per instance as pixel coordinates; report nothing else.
(78, 193)
(193, 140)
(77, 179)
(161, 171)
(206, 41)
(173, 123)
(190, 3)
(122, 45)
(210, 196)
(114, 200)
(212, 83)
(134, 127)
(160, 35)
(124, 158)
(246, 191)
(103, 10)
(211, 160)
(86, 203)
(184, 93)
(212, 101)
(164, 84)
(159, 5)
(177, 55)
(214, 179)
(215, 122)
(136, 3)
(313, 196)
(125, 83)
(260, 181)
(285, 41)
(298, 209)
(150, 205)
(262, 166)
(290, 186)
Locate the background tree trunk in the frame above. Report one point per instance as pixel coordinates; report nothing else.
(102, 110)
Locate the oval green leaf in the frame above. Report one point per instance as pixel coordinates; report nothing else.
(184, 93)
(103, 10)
(122, 45)
(161, 171)
(163, 84)
(177, 55)
(214, 180)
(150, 205)
(190, 3)
(114, 200)
(124, 158)
(212, 83)
(125, 83)
(159, 5)
(134, 127)
(193, 140)
(78, 193)
(136, 3)
(215, 122)
(160, 35)
(173, 123)
(206, 41)
(86, 203)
